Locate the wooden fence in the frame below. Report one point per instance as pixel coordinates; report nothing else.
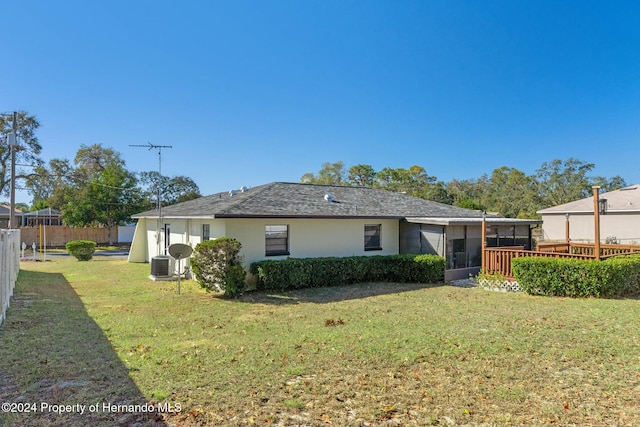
(9, 267)
(498, 260)
(56, 236)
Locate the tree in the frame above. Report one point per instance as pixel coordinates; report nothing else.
(437, 191)
(609, 184)
(96, 158)
(174, 190)
(96, 191)
(108, 199)
(511, 193)
(562, 182)
(361, 176)
(48, 184)
(28, 147)
(330, 174)
(468, 193)
(412, 181)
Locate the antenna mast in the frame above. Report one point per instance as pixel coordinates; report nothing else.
(151, 146)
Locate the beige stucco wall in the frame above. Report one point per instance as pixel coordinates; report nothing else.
(313, 237)
(624, 227)
(138, 251)
(307, 237)
(189, 231)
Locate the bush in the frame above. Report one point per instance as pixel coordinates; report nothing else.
(613, 277)
(295, 273)
(83, 250)
(217, 265)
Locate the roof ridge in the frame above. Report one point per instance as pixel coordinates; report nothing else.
(250, 194)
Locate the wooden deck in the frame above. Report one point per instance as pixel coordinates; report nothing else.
(498, 260)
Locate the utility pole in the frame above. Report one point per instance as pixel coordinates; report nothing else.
(151, 146)
(13, 139)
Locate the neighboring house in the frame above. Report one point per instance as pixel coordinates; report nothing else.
(280, 220)
(46, 216)
(5, 214)
(619, 221)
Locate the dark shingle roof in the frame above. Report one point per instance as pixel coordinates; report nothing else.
(281, 199)
(6, 211)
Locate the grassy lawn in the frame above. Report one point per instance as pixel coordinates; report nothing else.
(378, 354)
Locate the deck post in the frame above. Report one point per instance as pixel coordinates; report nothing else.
(596, 220)
(566, 228)
(484, 242)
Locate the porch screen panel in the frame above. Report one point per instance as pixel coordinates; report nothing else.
(522, 236)
(410, 238)
(474, 246)
(492, 236)
(432, 239)
(506, 235)
(456, 247)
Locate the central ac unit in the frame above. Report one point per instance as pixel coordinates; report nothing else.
(162, 266)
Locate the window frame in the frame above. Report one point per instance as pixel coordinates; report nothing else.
(279, 250)
(370, 239)
(206, 232)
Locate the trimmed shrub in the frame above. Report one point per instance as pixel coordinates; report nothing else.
(83, 250)
(217, 265)
(296, 273)
(613, 277)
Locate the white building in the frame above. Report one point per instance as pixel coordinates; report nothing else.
(619, 220)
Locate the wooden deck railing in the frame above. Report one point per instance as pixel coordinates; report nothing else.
(587, 248)
(498, 260)
(554, 247)
(606, 250)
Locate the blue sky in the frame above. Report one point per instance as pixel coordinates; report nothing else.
(249, 92)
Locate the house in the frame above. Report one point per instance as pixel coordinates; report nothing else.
(619, 218)
(280, 220)
(5, 214)
(46, 216)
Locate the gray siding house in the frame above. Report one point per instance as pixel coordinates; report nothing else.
(280, 220)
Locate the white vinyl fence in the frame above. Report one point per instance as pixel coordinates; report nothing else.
(9, 267)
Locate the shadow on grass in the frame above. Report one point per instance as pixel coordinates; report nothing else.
(332, 294)
(53, 353)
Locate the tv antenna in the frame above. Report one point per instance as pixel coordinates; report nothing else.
(151, 146)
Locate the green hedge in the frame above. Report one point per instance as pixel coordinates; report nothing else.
(81, 249)
(295, 273)
(217, 266)
(614, 277)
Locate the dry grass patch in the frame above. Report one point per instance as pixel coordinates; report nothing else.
(372, 354)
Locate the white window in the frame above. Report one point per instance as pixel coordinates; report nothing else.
(276, 240)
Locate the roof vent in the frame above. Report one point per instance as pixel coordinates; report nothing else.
(232, 193)
(329, 197)
(244, 189)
